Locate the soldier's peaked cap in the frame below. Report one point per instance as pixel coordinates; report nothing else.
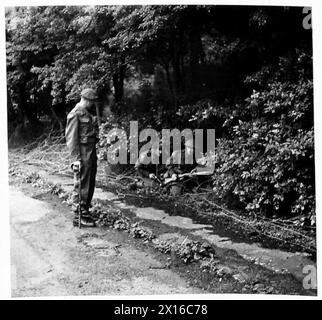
(89, 94)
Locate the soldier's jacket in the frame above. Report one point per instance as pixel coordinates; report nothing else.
(177, 162)
(81, 131)
(144, 169)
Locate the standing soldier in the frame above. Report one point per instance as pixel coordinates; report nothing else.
(81, 138)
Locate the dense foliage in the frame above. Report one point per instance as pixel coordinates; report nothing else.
(245, 71)
(269, 162)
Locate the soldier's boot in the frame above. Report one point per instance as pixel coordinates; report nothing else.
(85, 222)
(86, 219)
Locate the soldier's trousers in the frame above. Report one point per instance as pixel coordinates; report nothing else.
(86, 178)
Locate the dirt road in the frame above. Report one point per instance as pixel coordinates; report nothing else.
(52, 258)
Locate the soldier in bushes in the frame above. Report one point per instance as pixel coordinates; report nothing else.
(81, 139)
(174, 165)
(144, 166)
(177, 163)
(183, 162)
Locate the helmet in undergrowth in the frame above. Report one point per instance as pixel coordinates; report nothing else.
(89, 94)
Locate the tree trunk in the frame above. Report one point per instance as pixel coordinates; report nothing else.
(56, 118)
(183, 73)
(196, 54)
(175, 58)
(170, 84)
(26, 108)
(118, 81)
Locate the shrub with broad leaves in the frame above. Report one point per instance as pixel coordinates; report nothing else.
(268, 160)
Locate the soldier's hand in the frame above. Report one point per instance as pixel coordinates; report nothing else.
(152, 176)
(76, 165)
(174, 176)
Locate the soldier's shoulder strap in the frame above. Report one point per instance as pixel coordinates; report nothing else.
(75, 112)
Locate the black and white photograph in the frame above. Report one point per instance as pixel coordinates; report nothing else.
(158, 149)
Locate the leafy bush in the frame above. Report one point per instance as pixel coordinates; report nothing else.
(268, 161)
(137, 231)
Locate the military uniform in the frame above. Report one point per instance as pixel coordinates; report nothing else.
(81, 139)
(176, 164)
(144, 170)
